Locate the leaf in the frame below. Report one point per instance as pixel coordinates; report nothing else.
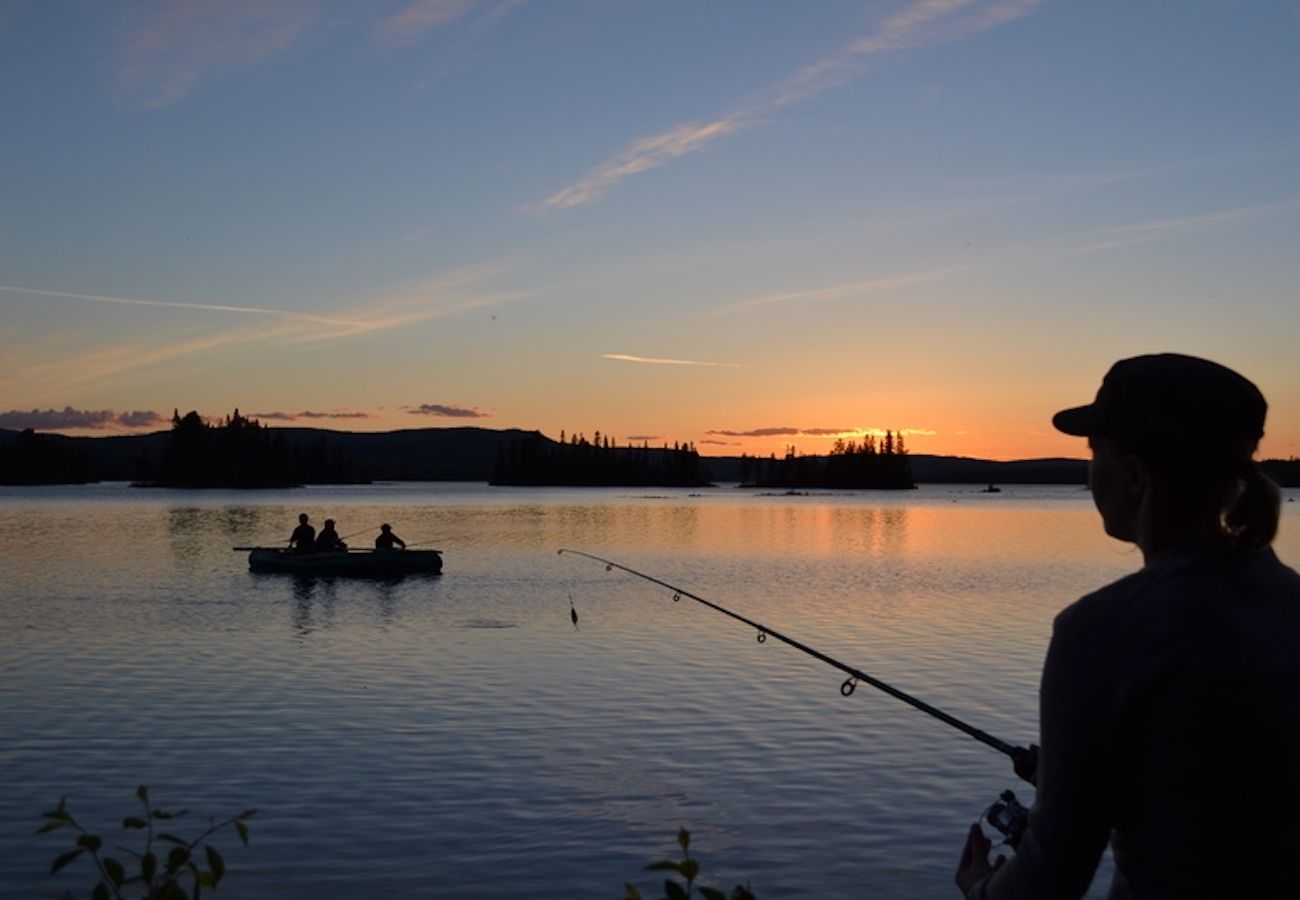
(178, 857)
(58, 812)
(684, 839)
(100, 892)
(632, 893)
(51, 826)
(215, 863)
(205, 879)
(674, 891)
(142, 793)
(242, 830)
(712, 894)
(90, 841)
(173, 839)
(667, 865)
(116, 871)
(64, 858)
(148, 866)
(134, 822)
(690, 868)
(171, 891)
(247, 814)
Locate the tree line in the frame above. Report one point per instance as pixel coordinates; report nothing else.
(536, 460)
(240, 452)
(852, 464)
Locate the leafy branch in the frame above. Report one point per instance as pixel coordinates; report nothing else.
(157, 878)
(687, 869)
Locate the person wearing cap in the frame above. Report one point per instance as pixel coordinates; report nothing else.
(387, 539)
(1170, 699)
(303, 539)
(328, 541)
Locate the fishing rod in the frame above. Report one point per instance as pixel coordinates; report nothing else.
(855, 675)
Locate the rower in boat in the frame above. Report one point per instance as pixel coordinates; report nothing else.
(328, 541)
(387, 539)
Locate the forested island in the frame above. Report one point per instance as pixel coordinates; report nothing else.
(240, 452)
(850, 465)
(534, 460)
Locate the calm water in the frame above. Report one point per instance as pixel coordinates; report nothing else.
(456, 737)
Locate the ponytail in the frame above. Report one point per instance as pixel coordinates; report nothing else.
(1251, 519)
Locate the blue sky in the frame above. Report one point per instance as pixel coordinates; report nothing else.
(741, 224)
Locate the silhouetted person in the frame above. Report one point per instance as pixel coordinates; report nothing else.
(387, 540)
(328, 541)
(1170, 699)
(303, 539)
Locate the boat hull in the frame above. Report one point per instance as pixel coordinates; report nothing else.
(356, 563)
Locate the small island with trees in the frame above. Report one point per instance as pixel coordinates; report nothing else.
(240, 452)
(850, 465)
(534, 460)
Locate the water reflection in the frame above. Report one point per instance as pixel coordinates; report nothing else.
(195, 529)
(319, 600)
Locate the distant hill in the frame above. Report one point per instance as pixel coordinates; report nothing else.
(470, 454)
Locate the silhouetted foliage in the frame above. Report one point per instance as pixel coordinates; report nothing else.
(150, 874)
(687, 869)
(241, 452)
(849, 465)
(32, 458)
(534, 460)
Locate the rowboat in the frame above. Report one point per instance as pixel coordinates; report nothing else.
(374, 563)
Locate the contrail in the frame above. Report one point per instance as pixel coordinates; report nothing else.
(171, 304)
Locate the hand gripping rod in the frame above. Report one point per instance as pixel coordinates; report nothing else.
(855, 675)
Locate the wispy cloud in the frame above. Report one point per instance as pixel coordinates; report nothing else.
(79, 419)
(793, 431)
(833, 292)
(919, 23)
(175, 304)
(54, 372)
(42, 373)
(644, 154)
(1158, 229)
(655, 361)
(442, 410)
(182, 42)
(307, 414)
(416, 19)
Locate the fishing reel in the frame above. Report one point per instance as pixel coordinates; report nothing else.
(1009, 816)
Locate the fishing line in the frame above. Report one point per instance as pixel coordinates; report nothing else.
(355, 533)
(422, 543)
(850, 683)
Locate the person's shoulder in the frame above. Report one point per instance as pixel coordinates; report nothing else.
(1103, 605)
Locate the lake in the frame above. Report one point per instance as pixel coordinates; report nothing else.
(456, 736)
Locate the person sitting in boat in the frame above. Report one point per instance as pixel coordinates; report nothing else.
(303, 539)
(387, 540)
(328, 541)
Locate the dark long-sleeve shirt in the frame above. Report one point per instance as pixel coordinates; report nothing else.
(1170, 716)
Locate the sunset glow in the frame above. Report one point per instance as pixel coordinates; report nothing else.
(747, 226)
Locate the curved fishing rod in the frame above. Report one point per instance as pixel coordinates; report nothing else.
(855, 675)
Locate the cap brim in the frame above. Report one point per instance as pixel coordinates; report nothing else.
(1080, 421)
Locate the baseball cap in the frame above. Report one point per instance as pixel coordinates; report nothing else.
(1169, 403)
